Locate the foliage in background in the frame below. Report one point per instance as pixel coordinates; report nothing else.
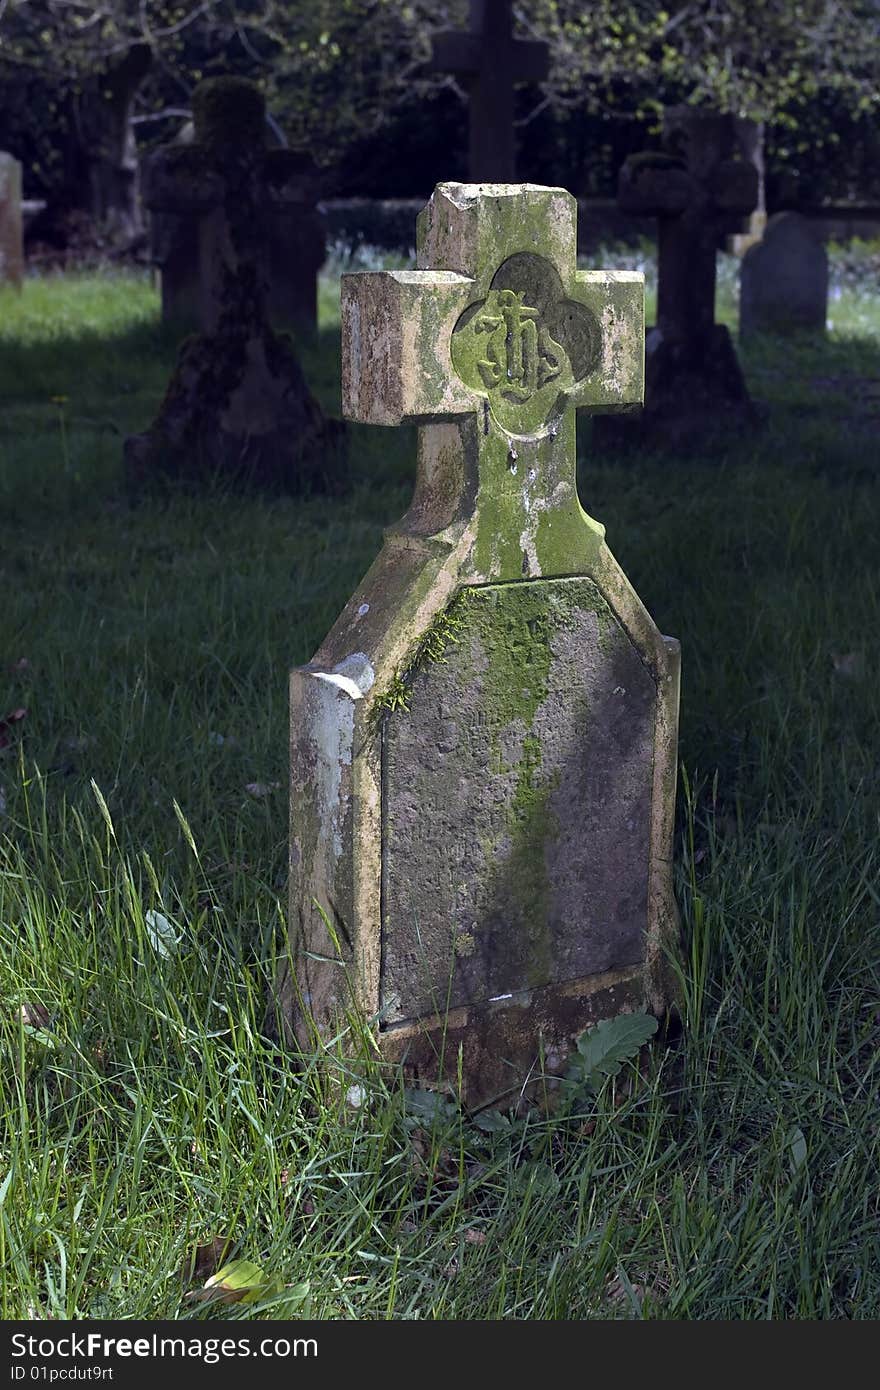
(348, 78)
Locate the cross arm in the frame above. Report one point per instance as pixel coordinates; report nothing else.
(182, 178)
(652, 185)
(616, 301)
(396, 358)
(455, 50)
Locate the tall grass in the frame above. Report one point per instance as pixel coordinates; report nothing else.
(145, 1114)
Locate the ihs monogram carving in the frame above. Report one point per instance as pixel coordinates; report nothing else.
(525, 345)
(521, 357)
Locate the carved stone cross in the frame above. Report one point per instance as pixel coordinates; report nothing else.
(492, 62)
(238, 405)
(698, 191)
(225, 198)
(483, 749)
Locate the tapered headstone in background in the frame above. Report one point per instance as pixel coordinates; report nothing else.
(783, 285)
(238, 407)
(698, 190)
(483, 750)
(491, 62)
(11, 239)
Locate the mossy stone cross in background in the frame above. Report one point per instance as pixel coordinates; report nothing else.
(698, 187)
(238, 407)
(219, 162)
(483, 749)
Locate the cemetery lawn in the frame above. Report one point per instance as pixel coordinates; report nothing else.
(150, 1132)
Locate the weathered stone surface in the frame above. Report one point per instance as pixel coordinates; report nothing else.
(237, 406)
(749, 136)
(754, 227)
(490, 62)
(483, 750)
(525, 759)
(11, 241)
(784, 280)
(698, 188)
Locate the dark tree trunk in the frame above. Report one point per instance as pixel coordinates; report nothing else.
(111, 191)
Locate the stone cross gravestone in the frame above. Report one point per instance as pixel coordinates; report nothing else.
(11, 239)
(491, 62)
(697, 190)
(483, 750)
(296, 247)
(783, 285)
(238, 405)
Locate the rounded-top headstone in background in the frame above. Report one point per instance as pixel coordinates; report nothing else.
(784, 280)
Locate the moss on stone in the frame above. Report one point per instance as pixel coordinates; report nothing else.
(431, 646)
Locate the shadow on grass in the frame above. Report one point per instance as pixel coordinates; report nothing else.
(71, 392)
(157, 624)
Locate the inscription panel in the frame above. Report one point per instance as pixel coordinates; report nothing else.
(516, 802)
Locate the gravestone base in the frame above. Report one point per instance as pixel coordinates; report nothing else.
(238, 408)
(514, 1049)
(687, 402)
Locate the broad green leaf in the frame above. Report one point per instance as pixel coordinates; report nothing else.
(539, 1176)
(427, 1105)
(603, 1049)
(163, 938)
(41, 1037)
(491, 1122)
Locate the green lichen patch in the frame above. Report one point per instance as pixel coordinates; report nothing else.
(431, 647)
(525, 343)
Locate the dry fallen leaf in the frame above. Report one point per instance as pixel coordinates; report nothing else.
(34, 1015)
(622, 1290)
(241, 1281)
(204, 1260)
